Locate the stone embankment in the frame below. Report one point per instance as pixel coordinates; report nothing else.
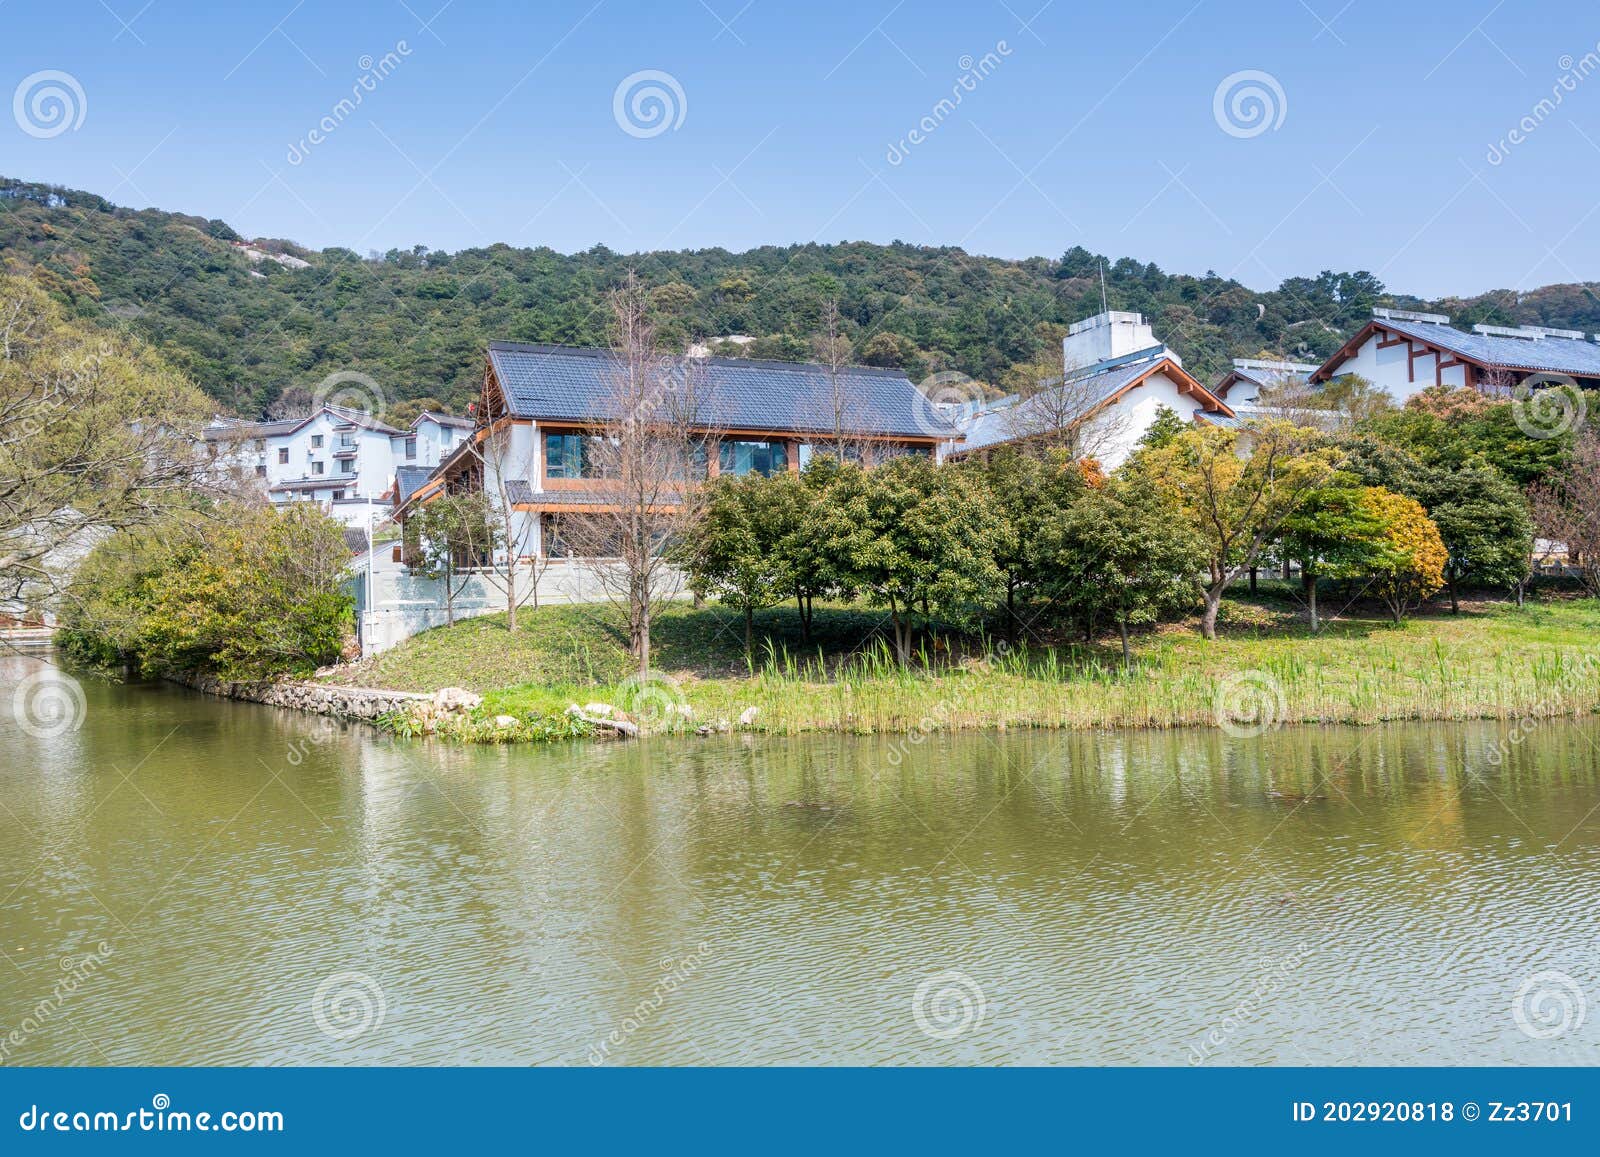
(361, 703)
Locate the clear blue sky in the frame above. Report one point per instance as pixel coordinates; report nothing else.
(1096, 124)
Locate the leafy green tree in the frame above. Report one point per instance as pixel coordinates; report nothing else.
(1236, 488)
(447, 536)
(813, 558)
(1451, 428)
(1485, 524)
(734, 549)
(916, 537)
(97, 434)
(1122, 551)
(1334, 533)
(242, 592)
(1165, 427)
(1030, 494)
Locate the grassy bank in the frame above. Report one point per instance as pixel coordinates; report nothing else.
(1493, 660)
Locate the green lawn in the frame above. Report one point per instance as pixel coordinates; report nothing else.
(1494, 660)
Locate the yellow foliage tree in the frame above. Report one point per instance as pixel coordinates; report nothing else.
(1236, 488)
(1411, 557)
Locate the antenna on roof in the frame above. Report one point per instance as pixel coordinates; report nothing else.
(1104, 308)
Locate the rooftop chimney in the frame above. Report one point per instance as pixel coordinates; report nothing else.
(1106, 336)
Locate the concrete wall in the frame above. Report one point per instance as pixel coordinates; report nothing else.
(1116, 432)
(402, 604)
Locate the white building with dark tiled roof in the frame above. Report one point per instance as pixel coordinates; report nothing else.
(1405, 352)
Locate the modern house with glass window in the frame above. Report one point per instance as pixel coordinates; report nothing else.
(544, 407)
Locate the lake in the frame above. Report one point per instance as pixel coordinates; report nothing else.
(185, 880)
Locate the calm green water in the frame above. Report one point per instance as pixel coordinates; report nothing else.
(213, 874)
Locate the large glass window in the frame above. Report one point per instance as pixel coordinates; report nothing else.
(575, 456)
(767, 458)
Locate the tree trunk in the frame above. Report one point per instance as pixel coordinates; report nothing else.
(511, 591)
(644, 637)
(749, 627)
(1455, 603)
(1308, 581)
(1208, 621)
(1252, 580)
(1127, 659)
(1011, 608)
(902, 632)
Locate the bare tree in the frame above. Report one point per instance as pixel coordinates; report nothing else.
(1567, 509)
(837, 411)
(649, 457)
(501, 462)
(1066, 410)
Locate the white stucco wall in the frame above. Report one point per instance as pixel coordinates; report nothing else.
(1117, 430)
(1388, 368)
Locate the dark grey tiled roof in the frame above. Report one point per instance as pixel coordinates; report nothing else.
(1561, 355)
(570, 384)
(1012, 420)
(518, 490)
(229, 429)
(409, 479)
(444, 420)
(232, 428)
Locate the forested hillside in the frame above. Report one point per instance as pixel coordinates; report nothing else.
(258, 333)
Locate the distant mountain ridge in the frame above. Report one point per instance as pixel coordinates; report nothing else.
(258, 334)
